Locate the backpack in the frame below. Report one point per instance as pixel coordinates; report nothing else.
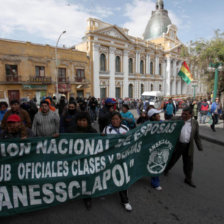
(204, 107)
(169, 109)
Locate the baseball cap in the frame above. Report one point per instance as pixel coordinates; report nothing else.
(14, 118)
(109, 101)
(153, 111)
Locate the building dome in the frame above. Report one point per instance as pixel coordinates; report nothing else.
(158, 23)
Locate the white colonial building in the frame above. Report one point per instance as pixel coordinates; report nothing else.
(125, 66)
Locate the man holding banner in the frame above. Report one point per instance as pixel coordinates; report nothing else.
(185, 146)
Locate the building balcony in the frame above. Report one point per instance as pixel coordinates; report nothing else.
(63, 79)
(80, 80)
(12, 79)
(40, 79)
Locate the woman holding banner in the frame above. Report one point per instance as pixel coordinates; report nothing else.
(83, 125)
(115, 127)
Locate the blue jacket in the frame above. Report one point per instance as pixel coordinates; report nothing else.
(2, 113)
(131, 120)
(213, 108)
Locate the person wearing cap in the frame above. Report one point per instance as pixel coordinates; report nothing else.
(15, 128)
(105, 113)
(16, 109)
(154, 115)
(127, 117)
(46, 122)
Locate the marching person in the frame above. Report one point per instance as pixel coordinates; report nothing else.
(105, 113)
(116, 127)
(143, 117)
(3, 110)
(67, 120)
(203, 111)
(46, 122)
(15, 128)
(185, 146)
(194, 106)
(93, 104)
(216, 110)
(127, 117)
(169, 109)
(83, 125)
(154, 115)
(15, 109)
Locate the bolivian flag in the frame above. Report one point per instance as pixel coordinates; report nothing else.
(185, 73)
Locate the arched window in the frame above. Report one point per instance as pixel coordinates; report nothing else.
(151, 87)
(130, 91)
(142, 88)
(130, 65)
(160, 69)
(102, 62)
(160, 87)
(151, 68)
(118, 64)
(141, 67)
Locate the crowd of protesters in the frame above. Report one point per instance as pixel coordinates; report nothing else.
(25, 119)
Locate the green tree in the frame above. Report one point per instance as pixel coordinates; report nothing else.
(202, 52)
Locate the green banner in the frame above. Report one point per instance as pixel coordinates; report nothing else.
(41, 172)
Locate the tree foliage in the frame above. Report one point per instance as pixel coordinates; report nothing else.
(203, 52)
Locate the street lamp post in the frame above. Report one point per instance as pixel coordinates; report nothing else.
(194, 86)
(215, 67)
(56, 65)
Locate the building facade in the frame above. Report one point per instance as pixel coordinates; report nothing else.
(126, 66)
(29, 70)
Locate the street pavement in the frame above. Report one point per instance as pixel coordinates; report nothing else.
(177, 203)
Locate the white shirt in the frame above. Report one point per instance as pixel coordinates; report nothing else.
(112, 130)
(185, 134)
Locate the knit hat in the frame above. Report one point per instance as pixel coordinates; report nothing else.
(13, 118)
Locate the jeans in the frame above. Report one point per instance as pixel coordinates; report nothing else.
(215, 118)
(155, 182)
(203, 117)
(92, 115)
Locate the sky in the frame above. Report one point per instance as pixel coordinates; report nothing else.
(42, 21)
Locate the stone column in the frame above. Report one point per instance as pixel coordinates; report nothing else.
(147, 64)
(168, 73)
(164, 78)
(157, 65)
(135, 95)
(112, 72)
(175, 77)
(96, 69)
(137, 62)
(125, 71)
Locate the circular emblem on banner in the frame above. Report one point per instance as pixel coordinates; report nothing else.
(159, 155)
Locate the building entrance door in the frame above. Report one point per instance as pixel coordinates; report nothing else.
(13, 95)
(80, 93)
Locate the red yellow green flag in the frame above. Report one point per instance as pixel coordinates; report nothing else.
(185, 73)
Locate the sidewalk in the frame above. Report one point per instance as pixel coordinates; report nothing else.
(205, 131)
(211, 136)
